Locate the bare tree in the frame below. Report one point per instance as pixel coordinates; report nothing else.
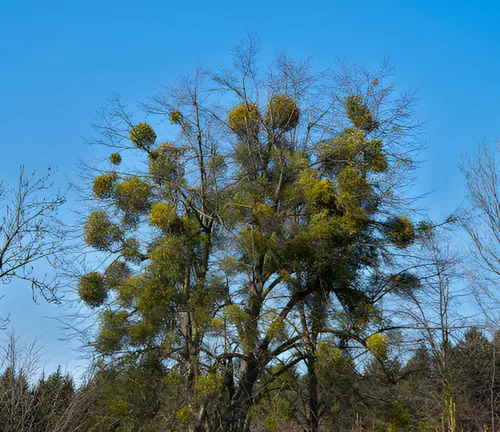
(436, 323)
(30, 233)
(482, 224)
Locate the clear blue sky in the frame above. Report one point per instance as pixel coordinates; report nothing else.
(60, 60)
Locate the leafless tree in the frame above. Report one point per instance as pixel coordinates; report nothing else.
(482, 224)
(30, 233)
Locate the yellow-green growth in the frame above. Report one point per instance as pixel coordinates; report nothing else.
(353, 189)
(244, 119)
(162, 215)
(322, 192)
(140, 332)
(400, 231)
(327, 354)
(400, 417)
(133, 195)
(355, 198)
(113, 329)
(131, 250)
(281, 411)
(99, 231)
(448, 419)
(91, 289)
(118, 407)
(115, 158)
(377, 345)
(359, 113)
(282, 113)
(340, 152)
(425, 227)
(163, 162)
(375, 156)
(143, 136)
(208, 385)
(242, 321)
(315, 192)
(127, 290)
(175, 117)
(216, 323)
(103, 185)
(262, 211)
(276, 330)
(184, 415)
(167, 256)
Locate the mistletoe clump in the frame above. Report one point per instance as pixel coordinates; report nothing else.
(339, 153)
(400, 231)
(377, 345)
(113, 329)
(92, 289)
(163, 163)
(355, 199)
(133, 195)
(115, 158)
(359, 113)
(282, 113)
(162, 215)
(103, 185)
(100, 232)
(245, 119)
(352, 148)
(175, 117)
(143, 136)
(321, 193)
(140, 332)
(208, 385)
(375, 157)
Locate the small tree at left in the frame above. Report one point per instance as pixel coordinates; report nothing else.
(31, 236)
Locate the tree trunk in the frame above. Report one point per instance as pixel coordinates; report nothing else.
(313, 414)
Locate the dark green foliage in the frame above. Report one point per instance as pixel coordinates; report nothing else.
(404, 283)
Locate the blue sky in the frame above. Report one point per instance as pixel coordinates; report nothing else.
(60, 60)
